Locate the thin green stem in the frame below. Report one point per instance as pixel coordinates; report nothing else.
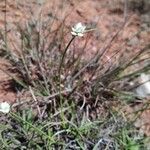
(59, 71)
(62, 60)
(63, 56)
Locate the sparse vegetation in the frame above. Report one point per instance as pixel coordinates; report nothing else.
(67, 101)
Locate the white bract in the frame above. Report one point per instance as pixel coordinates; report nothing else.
(78, 29)
(4, 107)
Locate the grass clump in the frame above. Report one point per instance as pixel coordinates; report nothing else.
(24, 130)
(70, 100)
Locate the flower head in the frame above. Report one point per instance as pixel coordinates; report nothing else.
(78, 29)
(4, 107)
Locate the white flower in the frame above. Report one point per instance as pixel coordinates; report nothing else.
(4, 107)
(78, 29)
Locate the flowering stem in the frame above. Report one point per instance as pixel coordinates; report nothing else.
(59, 71)
(62, 60)
(63, 56)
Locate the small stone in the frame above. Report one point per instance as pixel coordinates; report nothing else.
(145, 18)
(133, 42)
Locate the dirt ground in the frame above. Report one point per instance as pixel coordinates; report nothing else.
(106, 15)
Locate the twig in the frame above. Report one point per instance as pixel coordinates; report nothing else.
(46, 99)
(55, 94)
(33, 96)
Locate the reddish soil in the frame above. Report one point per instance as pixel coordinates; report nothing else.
(6, 92)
